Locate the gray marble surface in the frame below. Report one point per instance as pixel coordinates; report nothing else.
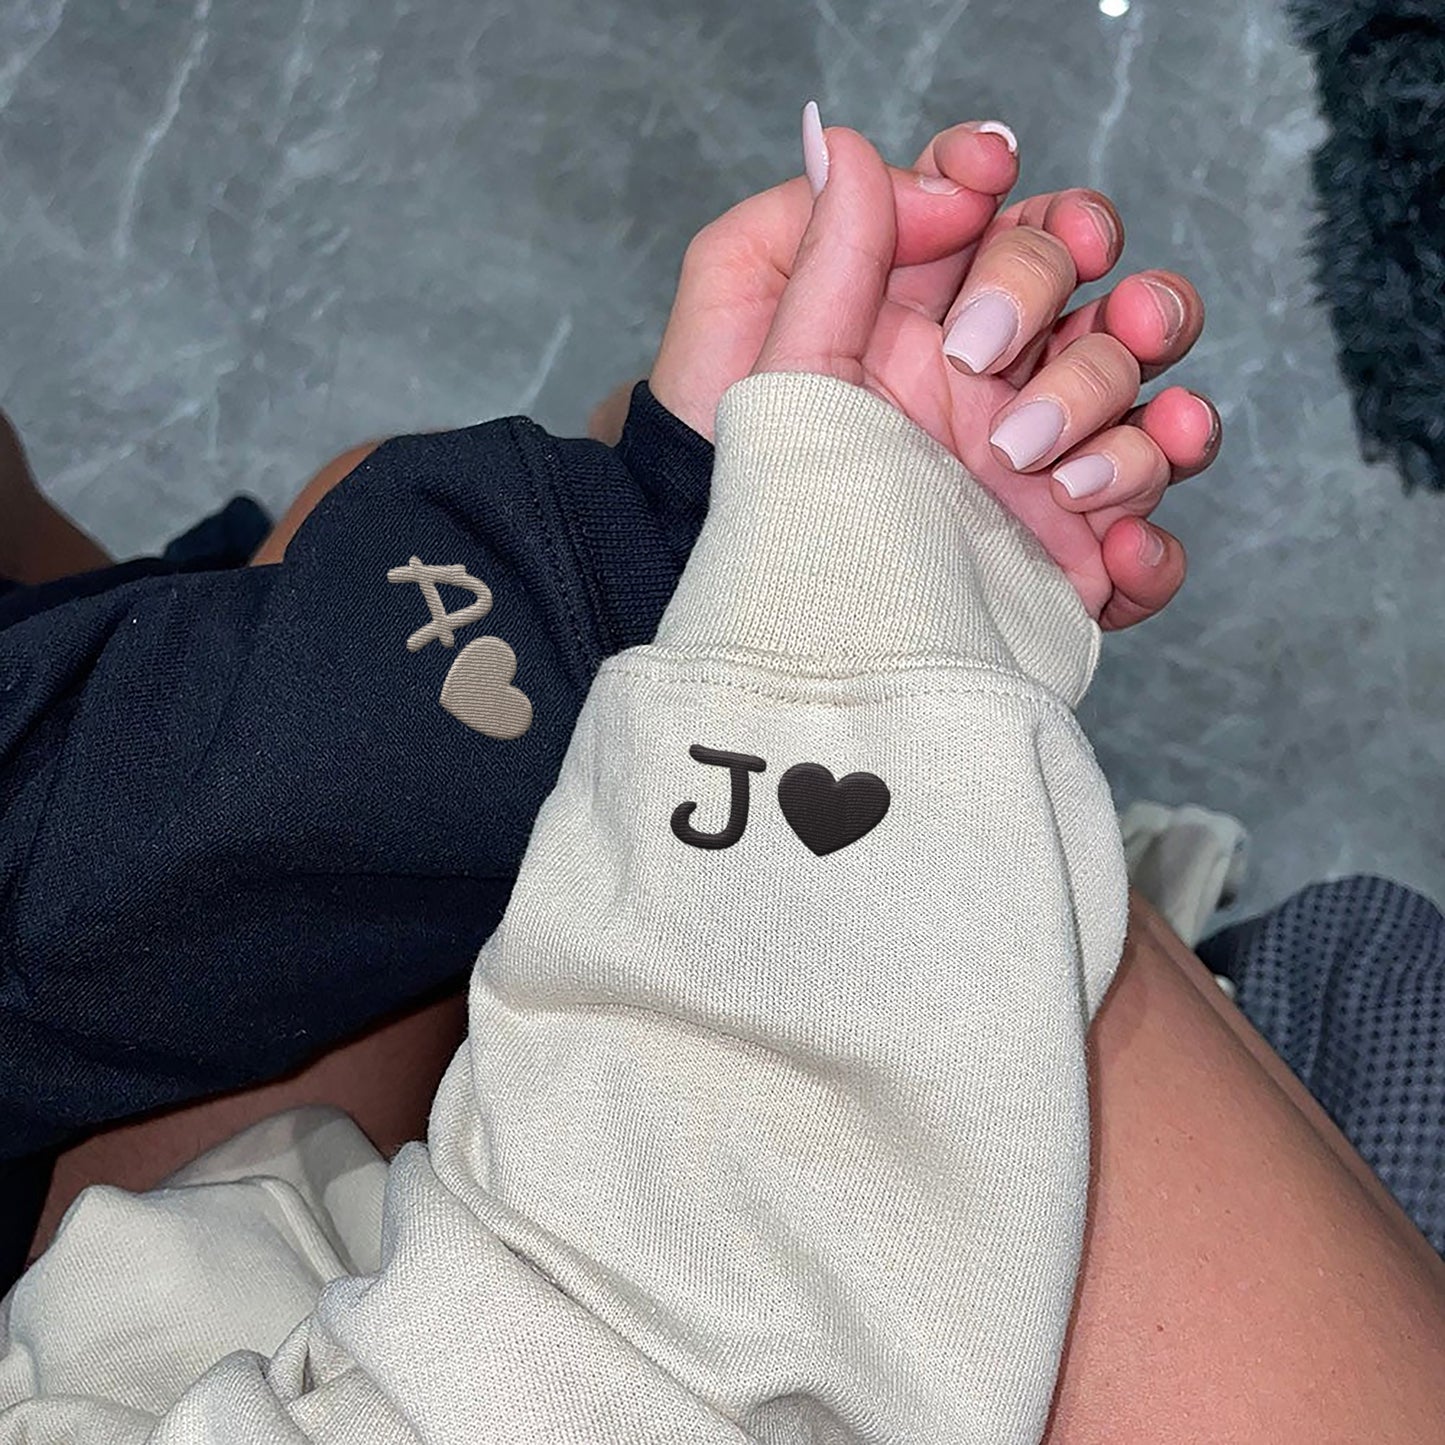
(237, 238)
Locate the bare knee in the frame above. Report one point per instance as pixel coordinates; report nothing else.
(1239, 1282)
(336, 470)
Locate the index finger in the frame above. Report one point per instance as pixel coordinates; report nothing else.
(979, 154)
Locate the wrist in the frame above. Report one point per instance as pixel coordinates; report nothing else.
(840, 534)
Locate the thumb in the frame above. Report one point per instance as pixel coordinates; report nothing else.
(830, 306)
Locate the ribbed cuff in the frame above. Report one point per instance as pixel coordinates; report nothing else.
(672, 465)
(840, 535)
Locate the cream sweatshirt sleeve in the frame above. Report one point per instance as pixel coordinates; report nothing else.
(772, 1123)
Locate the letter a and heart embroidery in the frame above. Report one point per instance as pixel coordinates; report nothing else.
(478, 687)
(826, 813)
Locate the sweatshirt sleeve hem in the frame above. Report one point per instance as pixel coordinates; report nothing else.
(839, 533)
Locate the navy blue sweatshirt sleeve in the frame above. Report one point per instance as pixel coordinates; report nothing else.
(237, 822)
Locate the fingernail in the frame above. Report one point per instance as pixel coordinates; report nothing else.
(1213, 416)
(1084, 476)
(815, 149)
(1151, 546)
(1029, 433)
(1171, 308)
(939, 185)
(998, 128)
(1104, 223)
(983, 330)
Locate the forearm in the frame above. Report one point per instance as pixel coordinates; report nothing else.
(808, 1131)
(787, 1135)
(237, 820)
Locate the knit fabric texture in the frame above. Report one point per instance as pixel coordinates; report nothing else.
(241, 819)
(746, 1143)
(238, 822)
(1346, 980)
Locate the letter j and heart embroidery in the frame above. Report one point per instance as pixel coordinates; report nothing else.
(826, 813)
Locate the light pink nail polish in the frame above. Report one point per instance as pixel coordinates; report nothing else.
(983, 330)
(1213, 416)
(815, 149)
(1030, 433)
(1084, 476)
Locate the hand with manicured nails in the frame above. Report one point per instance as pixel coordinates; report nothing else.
(912, 284)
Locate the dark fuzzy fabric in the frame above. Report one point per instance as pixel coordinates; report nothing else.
(1379, 245)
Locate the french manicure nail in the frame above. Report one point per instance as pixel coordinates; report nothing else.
(1104, 223)
(1084, 476)
(939, 185)
(1213, 416)
(1171, 308)
(1029, 433)
(983, 330)
(998, 128)
(815, 149)
(1151, 546)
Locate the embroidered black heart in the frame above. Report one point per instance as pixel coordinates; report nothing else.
(828, 813)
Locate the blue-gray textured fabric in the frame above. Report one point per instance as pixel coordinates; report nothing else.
(1347, 981)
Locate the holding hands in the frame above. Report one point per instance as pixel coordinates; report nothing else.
(913, 285)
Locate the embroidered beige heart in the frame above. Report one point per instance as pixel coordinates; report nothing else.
(478, 690)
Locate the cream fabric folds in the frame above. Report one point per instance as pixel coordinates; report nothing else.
(749, 1143)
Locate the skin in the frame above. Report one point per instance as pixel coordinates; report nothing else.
(37, 543)
(1245, 1277)
(737, 269)
(950, 241)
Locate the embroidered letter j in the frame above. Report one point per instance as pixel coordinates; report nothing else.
(739, 765)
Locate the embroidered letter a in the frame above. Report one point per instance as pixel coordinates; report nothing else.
(443, 625)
